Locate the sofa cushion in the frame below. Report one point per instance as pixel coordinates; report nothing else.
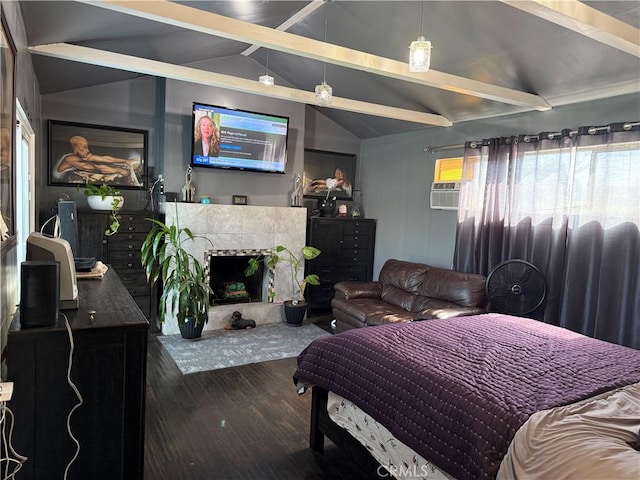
(364, 309)
(467, 289)
(406, 276)
(397, 297)
(423, 303)
(395, 316)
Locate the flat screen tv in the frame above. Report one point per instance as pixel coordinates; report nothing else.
(238, 139)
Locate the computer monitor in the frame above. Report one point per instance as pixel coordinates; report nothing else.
(44, 248)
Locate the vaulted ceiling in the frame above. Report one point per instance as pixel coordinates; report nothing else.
(489, 58)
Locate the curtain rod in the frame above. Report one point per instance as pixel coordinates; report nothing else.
(592, 130)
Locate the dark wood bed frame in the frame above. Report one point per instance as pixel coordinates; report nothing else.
(322, 425)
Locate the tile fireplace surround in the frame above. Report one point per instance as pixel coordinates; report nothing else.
(237, 228)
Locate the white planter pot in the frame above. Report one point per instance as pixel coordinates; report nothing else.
(96, 202)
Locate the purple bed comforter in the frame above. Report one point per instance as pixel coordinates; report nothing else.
(457, 390)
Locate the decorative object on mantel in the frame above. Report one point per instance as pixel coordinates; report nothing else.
(328, 207)
(107, 198)
(189, 189)
(185, 292)
(342, 210)
(295, 308)
(239, 199)
(356, 207)
(296, 194)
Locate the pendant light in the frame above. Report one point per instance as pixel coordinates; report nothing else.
(420, 51)
(266, 79)
(324, 92)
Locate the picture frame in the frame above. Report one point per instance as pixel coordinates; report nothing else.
(239, 199)
(329, 174)
(82, 153)
(7, 132)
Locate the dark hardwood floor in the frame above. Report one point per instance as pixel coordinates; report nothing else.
(240, 423)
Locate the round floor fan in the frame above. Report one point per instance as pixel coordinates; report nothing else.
(516, 287)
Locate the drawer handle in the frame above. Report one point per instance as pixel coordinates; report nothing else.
(131, 229)
(130, 255)
(130, 247)
(130, 265)
(131, 219)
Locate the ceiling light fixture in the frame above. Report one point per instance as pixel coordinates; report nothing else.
(266, 79)
(324, 92)
(420, 51)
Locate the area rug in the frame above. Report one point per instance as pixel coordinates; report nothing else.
(230, 348)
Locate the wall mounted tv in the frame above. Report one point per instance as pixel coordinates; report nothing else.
(238, 139)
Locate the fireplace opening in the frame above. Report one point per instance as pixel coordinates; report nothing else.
(229, 283)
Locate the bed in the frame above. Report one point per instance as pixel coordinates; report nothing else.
(478, 397)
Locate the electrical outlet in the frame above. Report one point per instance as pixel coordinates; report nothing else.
(160, 185)
(6, 391)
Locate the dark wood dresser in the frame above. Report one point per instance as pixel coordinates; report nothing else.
(108, 369)
(122, 252)
(347, 246)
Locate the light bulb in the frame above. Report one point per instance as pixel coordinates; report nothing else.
(419, 55)
(266, 80)
(323, 94)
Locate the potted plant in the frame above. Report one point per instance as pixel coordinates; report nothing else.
(295, 308)
(105, 197)
(185, 290)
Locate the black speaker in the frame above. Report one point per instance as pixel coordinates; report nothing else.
(69, 224)
(39, 293)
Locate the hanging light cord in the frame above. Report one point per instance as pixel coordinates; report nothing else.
(267, 62)
(324, 64)
(422, 20)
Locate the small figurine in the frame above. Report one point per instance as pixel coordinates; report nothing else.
(296, 195)
(239, 323)
(189, 190)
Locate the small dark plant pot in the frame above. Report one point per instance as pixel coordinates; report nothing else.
(191, 329)
(294, 313)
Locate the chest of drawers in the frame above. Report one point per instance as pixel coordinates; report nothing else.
(122, 252)
(347, 247)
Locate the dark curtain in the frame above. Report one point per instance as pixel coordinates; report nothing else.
(568, 202)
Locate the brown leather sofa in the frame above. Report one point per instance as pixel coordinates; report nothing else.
(405, 292)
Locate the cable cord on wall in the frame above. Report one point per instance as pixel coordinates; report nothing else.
(56, 225)
(9, 455)
(80, 400)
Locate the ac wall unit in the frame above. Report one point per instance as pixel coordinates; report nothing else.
(444, 195)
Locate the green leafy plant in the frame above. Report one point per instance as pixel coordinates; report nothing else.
(103, 191)
(283, 254)
(185, 290)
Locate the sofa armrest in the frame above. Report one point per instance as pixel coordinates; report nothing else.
(351, 289)
(449, 312)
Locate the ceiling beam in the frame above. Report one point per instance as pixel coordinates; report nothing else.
(145, 66)
(584, 20)
(213, 24)
(301, 14)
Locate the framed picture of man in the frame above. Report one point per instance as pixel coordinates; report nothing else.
(82, 153)
(329, 174)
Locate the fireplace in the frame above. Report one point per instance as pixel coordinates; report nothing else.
(225, 271)
(241, 231)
